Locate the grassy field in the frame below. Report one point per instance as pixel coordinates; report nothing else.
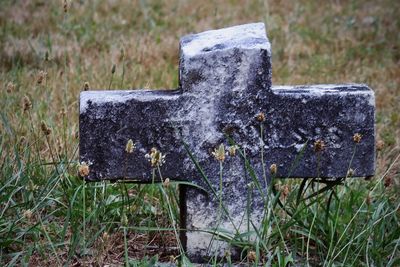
(50, 49)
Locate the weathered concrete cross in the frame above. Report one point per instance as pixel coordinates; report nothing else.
(224, 82)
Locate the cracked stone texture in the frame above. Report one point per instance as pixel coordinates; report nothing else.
(225, 81)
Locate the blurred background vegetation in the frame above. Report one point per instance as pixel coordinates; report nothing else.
(50, 49)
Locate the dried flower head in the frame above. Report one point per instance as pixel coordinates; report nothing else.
(368, 199)
(319, 145)
(65, 6)
(10, 87)
(41, 77)
(45, 129)
(357, 138)
(350, 172)
(63, 113)
(380, 145)
(130, 146)
(124, 219)
(172, 259)
(232, 150)
(250, 185)
(86, 86)
(155, 157)
(46, 56)
(83, 169)
(252, 256)
(22, 140)
(113, 69)
(27, 214)
(285, 190)
(166, 182)
(219, 153)
(388, 181)
(273, 168)
(32, 187)
(227, 254)
(260, 117)
(26, 103)
(121, 54)
(105, 236)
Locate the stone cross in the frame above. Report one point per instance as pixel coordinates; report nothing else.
(224, 91)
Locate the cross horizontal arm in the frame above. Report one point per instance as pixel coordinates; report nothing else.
(299, 116)
(108, 119)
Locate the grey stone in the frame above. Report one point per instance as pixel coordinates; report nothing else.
(225, 81)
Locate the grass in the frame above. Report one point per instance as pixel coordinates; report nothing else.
(48, 216)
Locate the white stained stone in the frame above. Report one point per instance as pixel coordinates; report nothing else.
(120, 96)
(243, 37)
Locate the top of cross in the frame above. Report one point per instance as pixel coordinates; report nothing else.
(247, 36)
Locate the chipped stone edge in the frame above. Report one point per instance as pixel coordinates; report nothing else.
(236, 34)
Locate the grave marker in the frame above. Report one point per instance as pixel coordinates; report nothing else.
(224, 83)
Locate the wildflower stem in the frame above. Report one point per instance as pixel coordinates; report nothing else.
(125, 188)
(280, 232)
(311, 228)
(126, 247)
(269, 212)
(351, 160)
(248, 205)
(112, 76)
(220, 189)
(262, 154)
(123, 75)
(109, 86)
(84, 213)
(171, 214)
(34, 136)
(52, 155)
(318, 163)
(65, 126)
(123, 197)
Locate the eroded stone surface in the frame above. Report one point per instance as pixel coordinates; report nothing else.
(225, 81)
